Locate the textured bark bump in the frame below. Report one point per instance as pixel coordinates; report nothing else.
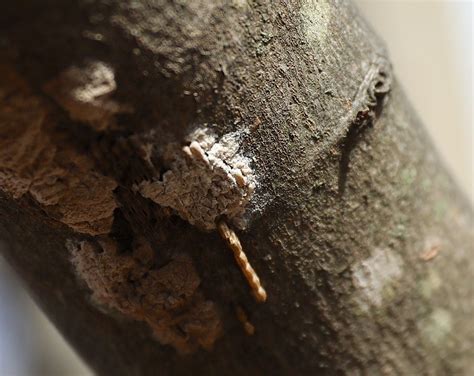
(374, 278)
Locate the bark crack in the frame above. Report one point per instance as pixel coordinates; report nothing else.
(366, 109)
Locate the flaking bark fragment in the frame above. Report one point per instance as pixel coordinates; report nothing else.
(168, 299)
(86, 93)
(35, 160)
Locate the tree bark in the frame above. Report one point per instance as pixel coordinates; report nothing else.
(358, 234)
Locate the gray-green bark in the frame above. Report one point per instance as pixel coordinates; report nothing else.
(359, 236)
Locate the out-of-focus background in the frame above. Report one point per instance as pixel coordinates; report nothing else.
(430, 44)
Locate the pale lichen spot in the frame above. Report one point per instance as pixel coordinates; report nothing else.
(373, 276)
(408, 175)
(437, 326)
(430, 284)
(240, 4)
(316, 15)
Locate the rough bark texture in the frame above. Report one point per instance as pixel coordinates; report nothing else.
(361, 239)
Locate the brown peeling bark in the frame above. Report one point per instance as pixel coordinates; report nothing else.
(166, 298)
(36, 162)
(358, 235)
